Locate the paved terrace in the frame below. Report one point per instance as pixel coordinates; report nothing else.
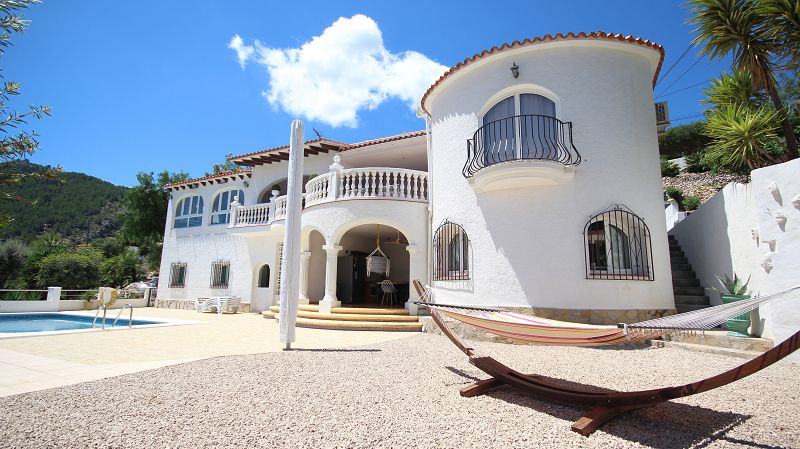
(402, 393)
(40, 362)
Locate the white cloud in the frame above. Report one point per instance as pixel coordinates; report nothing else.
(243, 52)
(344, 70)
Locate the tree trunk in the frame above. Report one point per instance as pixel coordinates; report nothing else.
(788, 132)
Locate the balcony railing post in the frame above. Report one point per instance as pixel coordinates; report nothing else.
(234, 212)
(272, 204)
(333, 187)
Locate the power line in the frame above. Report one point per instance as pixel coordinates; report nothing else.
(686, 117)
(682, 74)
(661, 78)
(681, 90)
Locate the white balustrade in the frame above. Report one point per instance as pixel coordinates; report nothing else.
(343, 184)
(257, 214)
(280, 209)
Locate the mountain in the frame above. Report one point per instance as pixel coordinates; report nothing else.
(80, 207)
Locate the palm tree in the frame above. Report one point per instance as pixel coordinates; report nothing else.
(740, 134)
(784, 26)
(738, 27)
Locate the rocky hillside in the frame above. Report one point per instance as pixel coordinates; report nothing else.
(80, 207)
(702, 185)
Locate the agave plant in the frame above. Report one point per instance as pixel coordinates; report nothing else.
(733, 286)
(734, 88)
(739, 135)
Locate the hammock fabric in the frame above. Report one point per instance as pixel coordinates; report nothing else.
(606, 404)
(531, 329)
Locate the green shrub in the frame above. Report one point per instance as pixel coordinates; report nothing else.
(109, 246)
(691, 202)
(21, 296)
(13, 255)
(121, 270)
(682, 139)
(696, 163)
(669, 168)
(71, 271)
(674, 193)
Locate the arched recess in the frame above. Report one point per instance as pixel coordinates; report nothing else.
(618, 246)
(358, 286)
(312, 242)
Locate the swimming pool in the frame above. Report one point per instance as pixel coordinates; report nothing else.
(49, 322)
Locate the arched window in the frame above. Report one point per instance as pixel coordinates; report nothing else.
(221, 207)
(522, 126)
(618, 246)
(263, 276)
(189, 212)
(450, 253)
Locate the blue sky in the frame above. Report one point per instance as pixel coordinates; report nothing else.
(153, 85)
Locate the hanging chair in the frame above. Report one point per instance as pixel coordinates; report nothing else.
(377, 261)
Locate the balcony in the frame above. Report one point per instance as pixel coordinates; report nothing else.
(520, 151)
(398, 184)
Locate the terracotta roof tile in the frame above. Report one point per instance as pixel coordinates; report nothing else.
(225, 174)
(386, 139)
(596, 35)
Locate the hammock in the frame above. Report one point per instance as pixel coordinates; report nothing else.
(606, 404)
(531, 329)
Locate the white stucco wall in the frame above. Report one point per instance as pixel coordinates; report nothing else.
(527, 242)
(736, 230)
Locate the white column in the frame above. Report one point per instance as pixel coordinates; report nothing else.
(416, 270)
(305, 258)
(331, 267)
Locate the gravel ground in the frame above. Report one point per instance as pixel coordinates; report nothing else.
(403, 393)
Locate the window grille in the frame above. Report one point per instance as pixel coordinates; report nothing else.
(177, 275)
(221, 206)
(451, 254)
(220, 274)
(618, 246)
(263, 277)
(189, 212)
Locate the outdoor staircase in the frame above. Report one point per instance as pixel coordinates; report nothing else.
(689, 294)
(352, 318)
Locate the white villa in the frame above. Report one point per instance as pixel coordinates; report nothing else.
(535, 184)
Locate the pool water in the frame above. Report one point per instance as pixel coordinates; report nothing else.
(46, 322)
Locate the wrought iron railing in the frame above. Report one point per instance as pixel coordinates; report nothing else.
(521, 137)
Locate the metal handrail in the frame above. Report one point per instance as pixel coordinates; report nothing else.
(521, 137)
(130, 318)
(103, 308)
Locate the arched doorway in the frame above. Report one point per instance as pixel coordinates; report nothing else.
(354, 286)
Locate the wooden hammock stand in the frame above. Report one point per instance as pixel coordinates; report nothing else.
(602, 406)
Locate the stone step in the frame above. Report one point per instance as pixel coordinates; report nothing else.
(693, 282)
(696, 291)
(681, 266)
(677, 253)
(359, 325)
(698, 300)
(681, 308)
(353, 310)
(673, 260)
(354, 317)
(720, 338)
(683, 275)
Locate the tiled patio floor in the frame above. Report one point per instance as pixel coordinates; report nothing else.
(41, 362)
